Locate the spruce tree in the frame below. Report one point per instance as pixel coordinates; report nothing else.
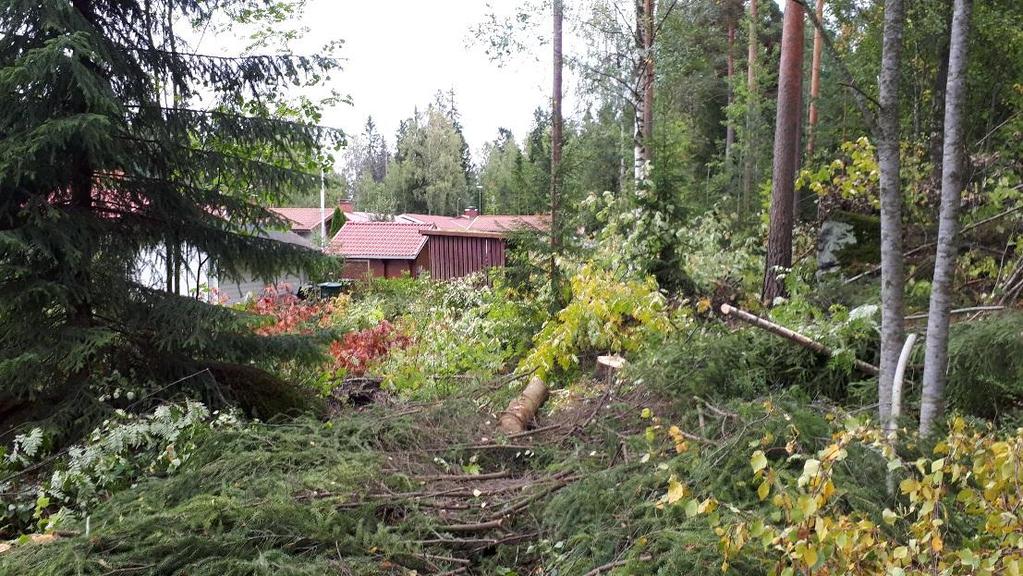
(337, 220)
(116, 141)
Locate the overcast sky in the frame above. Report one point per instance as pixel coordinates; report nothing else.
(400, 52)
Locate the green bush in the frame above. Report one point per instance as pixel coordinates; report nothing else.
(715, 361)
(985, 372)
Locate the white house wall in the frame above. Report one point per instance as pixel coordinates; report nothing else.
(195, 278)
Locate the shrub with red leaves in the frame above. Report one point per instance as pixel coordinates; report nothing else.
(357, 350)
(290, 314)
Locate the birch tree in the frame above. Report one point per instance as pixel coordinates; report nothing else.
(936, 355)
(645, 79)
(892, 267)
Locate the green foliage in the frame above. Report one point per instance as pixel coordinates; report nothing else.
(714, 254)
(122, 450)
(624, 512)
(956, 513)
(430, 172)
(138, 172)
(231, 508)
(638, 233)
(604, 314)
(459, 330)
(505, 177)
(985, 372)
(713, 362)
(337, 220)
(853, 177)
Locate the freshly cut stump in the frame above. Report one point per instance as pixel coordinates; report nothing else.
(522, 409)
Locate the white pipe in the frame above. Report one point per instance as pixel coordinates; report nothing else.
(900, 373)
(892, 422)
(323, 211)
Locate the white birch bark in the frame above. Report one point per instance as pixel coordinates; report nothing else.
(892, 268)
(936, 354)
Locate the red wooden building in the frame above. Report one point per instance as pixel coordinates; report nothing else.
(458, 253)
(444, 246)
(381, 249)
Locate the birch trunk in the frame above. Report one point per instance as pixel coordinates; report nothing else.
(648, 76)
(786, 151)
(644, 75)
(936, 354)
(892, 268)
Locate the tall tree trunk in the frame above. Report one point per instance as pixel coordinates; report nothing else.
(648, 76)
(749, 161)
(815, 83)
(936, 356)
(645, 80)
(892, 273)
(938, 103)
(169, 265)
(797, 158)
(556, 137)
(729, 128)
(786, 150)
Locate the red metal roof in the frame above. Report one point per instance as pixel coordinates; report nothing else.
(443, 222)
(484, 223)
(305, 219)
(379, 240)
(502, 223)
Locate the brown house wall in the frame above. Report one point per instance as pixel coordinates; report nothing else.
(458, 256)
(377, 268)
(355, 269)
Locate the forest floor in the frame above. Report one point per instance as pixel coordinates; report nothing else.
(388, 487)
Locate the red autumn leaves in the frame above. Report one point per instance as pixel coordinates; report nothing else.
(351, 355)
(354, 353)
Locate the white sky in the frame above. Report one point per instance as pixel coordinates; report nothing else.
(399, 53)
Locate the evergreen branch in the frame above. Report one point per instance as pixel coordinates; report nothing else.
(242, 118)
(264, 172)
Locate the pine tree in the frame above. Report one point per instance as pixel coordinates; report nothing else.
(106, 154)
(786, 152)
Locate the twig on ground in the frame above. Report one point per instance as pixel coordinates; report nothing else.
(479, 527)
(616, 564)
(465, 477)
(533, 431)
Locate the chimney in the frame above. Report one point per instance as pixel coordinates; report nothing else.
(347, 206)
(471, 212)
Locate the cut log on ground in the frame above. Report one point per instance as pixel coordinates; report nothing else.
(522, 409)
(792, 336)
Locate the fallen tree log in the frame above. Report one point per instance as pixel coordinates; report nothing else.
(792, 336)
(522, 409)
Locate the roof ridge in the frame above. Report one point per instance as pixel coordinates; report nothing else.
(389, 222)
